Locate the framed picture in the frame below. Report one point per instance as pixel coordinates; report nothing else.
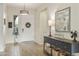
(9, 24)
(62, 20)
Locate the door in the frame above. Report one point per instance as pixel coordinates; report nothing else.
(43, 26)
(26, 33)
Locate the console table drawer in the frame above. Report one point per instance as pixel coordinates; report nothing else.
(67, 47)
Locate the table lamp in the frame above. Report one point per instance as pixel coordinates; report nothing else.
(50, 25)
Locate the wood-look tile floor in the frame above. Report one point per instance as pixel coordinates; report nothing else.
(24, 49)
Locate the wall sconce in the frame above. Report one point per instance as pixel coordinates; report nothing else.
(50, 26)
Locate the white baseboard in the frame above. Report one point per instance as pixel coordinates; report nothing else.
(41, 44)
(17, 42)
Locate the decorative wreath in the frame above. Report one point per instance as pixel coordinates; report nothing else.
(28, 25)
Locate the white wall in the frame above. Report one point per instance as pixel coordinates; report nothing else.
(52, 8)
(2, 46)
(9, 31)
(11, 11)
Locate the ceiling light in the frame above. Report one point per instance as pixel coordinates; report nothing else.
(24, 12)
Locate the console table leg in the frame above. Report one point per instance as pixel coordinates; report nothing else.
(51, 49)
(44, 47)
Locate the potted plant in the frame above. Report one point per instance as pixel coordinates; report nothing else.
(74, 35)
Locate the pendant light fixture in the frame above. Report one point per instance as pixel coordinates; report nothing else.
(24, 11)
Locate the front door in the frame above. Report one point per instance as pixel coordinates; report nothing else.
(26, 28)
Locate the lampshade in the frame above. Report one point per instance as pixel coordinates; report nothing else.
(50, 22)
(24, 12)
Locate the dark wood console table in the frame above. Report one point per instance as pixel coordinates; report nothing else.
(63, 44)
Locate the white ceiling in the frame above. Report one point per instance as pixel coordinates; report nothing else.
(27, 5)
